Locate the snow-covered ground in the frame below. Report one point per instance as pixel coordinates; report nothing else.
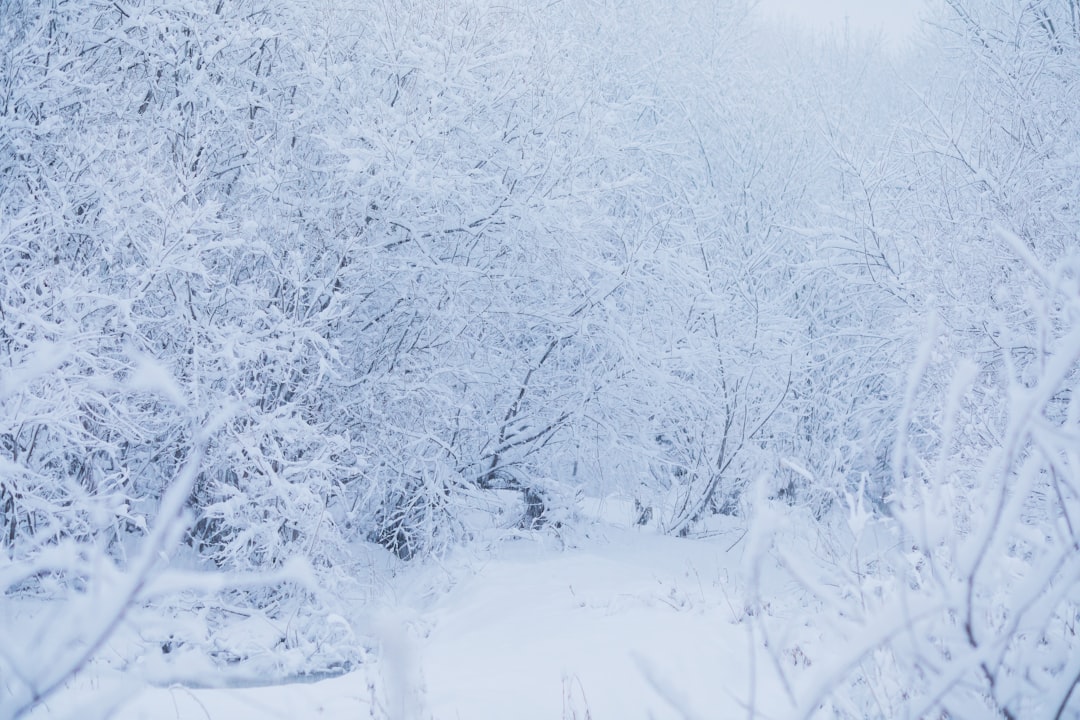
(615, 622)
(645, 626)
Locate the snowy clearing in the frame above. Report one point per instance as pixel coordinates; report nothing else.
(624, 624)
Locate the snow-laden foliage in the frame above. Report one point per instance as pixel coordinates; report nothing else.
(963, 602)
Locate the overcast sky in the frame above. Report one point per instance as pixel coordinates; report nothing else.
(896, 18)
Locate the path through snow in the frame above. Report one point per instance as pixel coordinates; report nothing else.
(626, 625)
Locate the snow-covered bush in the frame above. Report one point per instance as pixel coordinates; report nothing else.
(966, 602)
(965, 608)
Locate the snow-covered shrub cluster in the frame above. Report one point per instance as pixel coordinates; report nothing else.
(394, 259)
(962, 601)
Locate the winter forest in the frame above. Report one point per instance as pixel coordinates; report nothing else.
(425, 359)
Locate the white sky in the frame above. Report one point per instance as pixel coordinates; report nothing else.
(896, 18)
